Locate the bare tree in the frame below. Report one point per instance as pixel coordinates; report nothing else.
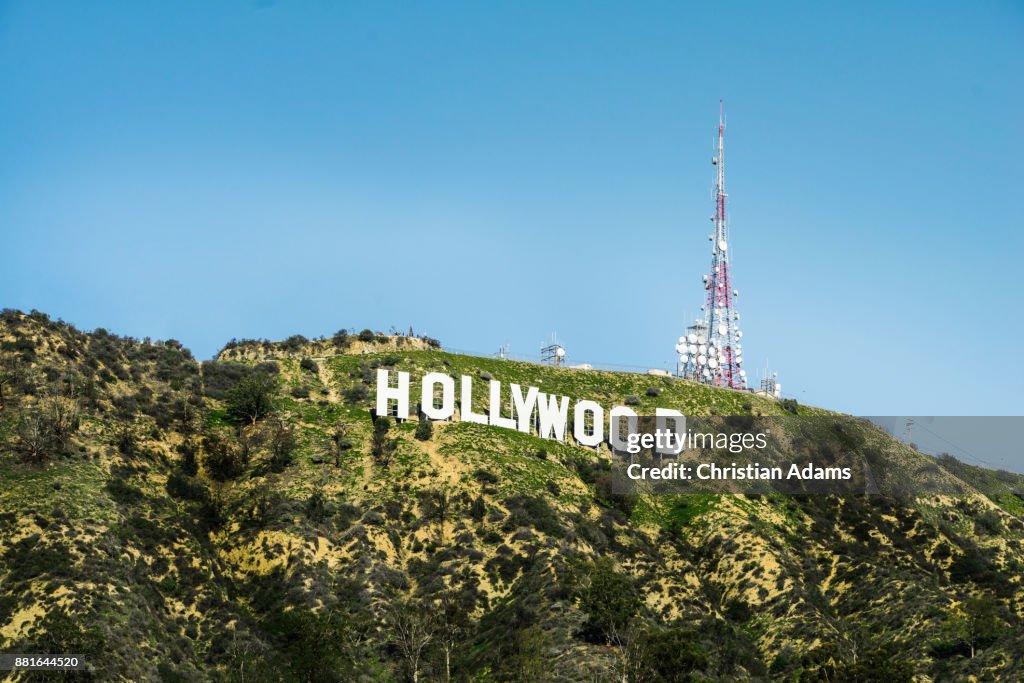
(452, 622)
(412, 629)
(45, 428)
(630, 650)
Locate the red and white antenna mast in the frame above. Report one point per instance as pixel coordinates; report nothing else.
(711, 352)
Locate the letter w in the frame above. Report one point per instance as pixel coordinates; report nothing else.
(553, 416)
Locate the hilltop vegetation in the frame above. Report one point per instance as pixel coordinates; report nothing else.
(247, 519)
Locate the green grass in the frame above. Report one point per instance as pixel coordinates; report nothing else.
(80, 494)
(687, 508)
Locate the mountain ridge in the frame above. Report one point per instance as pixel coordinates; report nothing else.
(147, 523)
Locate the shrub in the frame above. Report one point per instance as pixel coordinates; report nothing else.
(316, 506)
(308, 364)
(294, 342)
(533, 512)
(382, 448)
(220, 376)
(341, 339)
(357, 394)
(632, 401)
(188, 463)
(222, 459)
(478, 508)
(283, 444)
(184, 487)
(653, 391)
(367, 335)
(604, 491)
(485, 476)
(124, 493)
(425, 429)
(672, 653)
(989, 522)
(790, 405)
(125, 438)
(364, 371)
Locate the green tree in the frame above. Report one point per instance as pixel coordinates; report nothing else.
(436, 506)
(978, 625)
(252, 397)
(608, 598)
(527, 661)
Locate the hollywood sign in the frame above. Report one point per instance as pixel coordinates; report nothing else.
(532, 411)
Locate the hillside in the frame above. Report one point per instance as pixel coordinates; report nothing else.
(245, 519)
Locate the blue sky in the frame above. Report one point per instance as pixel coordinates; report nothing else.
(497, 171)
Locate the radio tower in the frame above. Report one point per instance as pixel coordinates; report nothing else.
(711, 351)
